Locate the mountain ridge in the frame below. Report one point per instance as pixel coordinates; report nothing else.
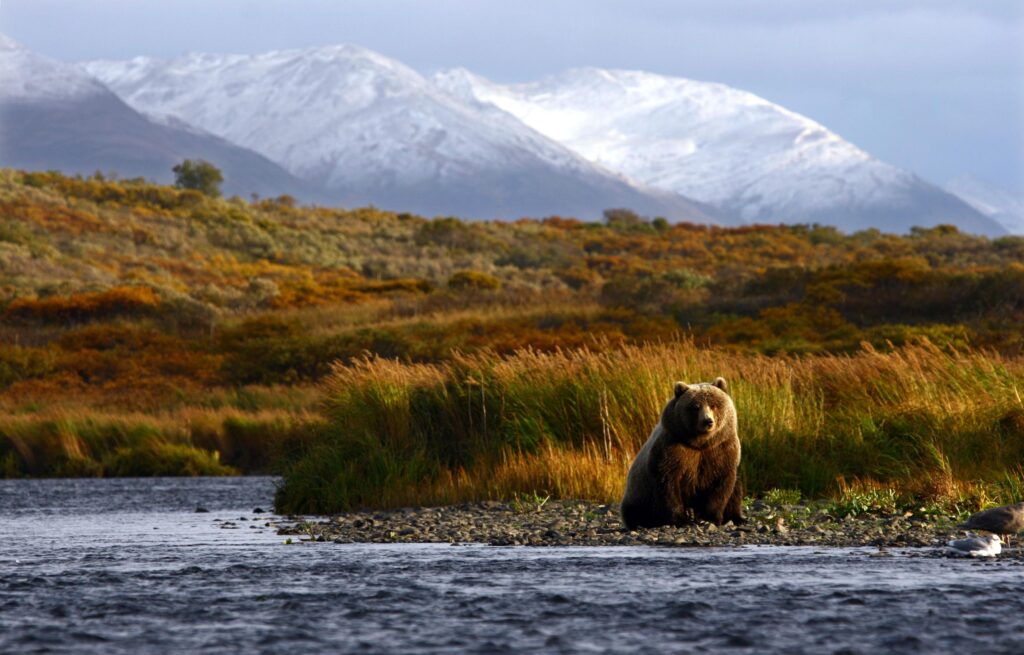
(723, 146)
(373, 130)
(356, 127)
(56, 117)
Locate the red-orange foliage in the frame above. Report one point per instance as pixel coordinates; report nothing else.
(562, 223)
(119, 301)
(53, 217)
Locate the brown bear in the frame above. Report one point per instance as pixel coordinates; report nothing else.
(687, 470)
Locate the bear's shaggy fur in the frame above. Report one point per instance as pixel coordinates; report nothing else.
(687, 469)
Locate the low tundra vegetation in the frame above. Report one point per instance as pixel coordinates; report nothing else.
(382, 358)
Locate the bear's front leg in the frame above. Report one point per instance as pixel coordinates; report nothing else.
(717, 497)
(734, 508)
(678, 511)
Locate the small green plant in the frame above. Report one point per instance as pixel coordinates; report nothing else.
(854, 502)
(778, 497)
(525, 503)
(308, 528)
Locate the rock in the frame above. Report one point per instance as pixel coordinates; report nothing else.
(202, 510)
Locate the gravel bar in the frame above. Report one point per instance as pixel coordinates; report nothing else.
(582, 523)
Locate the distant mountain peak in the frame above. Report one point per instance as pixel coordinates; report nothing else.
(55, 116)
(722, 146)
(27, 76)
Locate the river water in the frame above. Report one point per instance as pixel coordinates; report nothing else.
(128, 566)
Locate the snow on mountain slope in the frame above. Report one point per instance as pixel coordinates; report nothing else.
(26, 76)
(373, 130)
(722, 146)
(991, 201)
(54, 116)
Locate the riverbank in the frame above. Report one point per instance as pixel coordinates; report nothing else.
(538, 522)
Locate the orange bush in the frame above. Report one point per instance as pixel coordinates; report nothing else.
(119, 301)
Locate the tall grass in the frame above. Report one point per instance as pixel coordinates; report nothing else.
(930, 422)
(85, 442)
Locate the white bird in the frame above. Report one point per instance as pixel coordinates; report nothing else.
(988, 546)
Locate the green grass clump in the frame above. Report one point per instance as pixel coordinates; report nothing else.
(926, 422)
(871, 501)
(164, 459)
(86, 443)
(782, 497)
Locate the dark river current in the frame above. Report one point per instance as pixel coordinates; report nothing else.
(127, 566)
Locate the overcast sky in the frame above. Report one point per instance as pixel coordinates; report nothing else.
(936, 87)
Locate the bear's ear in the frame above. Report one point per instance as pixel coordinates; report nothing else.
(721, 384)
(681, 388)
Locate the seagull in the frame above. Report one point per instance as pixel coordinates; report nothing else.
(1006, 520)
(989, 546)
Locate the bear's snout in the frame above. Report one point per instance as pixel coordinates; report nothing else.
(705, 420)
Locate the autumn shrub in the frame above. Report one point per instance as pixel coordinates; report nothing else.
(655, 292)
(450, 232)
(19, 363)
(119, 301)
(580, 278)
(473, 280)
(393, 286)
(269, 350)
(131, 337)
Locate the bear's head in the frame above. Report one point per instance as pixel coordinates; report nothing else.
(697, 413)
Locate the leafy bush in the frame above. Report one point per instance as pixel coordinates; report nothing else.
(199, 175)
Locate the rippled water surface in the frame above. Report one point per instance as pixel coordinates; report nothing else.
(110, 566)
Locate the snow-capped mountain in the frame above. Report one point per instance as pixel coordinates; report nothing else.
(723, 146)
(370, 129)
(361, 128)
(27, 77)
(54, 116)
(998, 204)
